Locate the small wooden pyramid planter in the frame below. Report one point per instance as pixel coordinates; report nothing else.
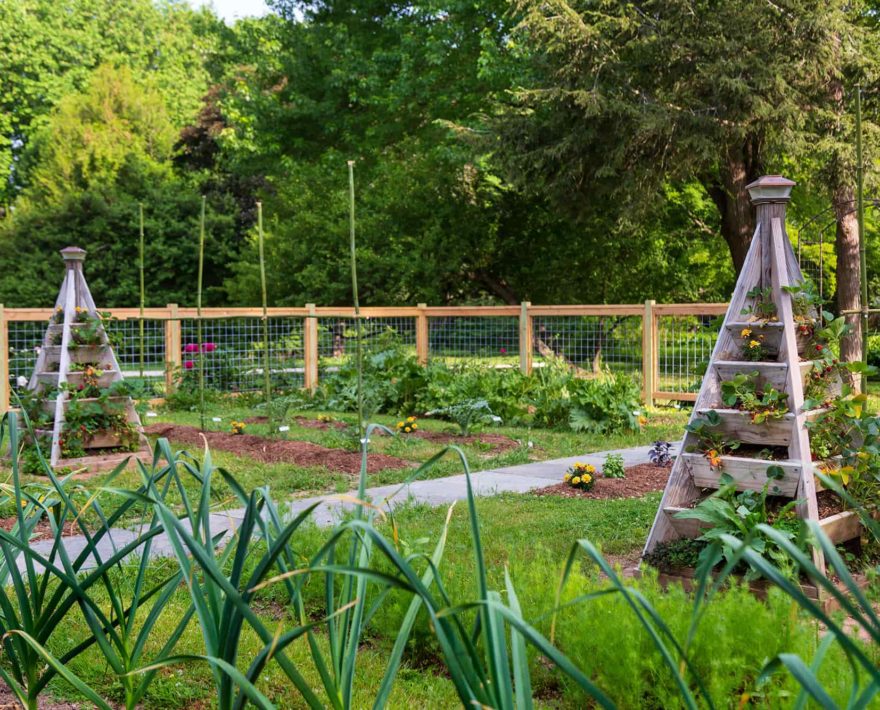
(780, 342)
(77, 363)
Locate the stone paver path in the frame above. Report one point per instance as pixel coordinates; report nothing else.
(438, 491)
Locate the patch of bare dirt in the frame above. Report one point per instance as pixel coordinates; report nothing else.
(299, 453)
(43, 531)
(639, 480)
(8, 701)
(303, 422)
(829, 504)
(497, 442)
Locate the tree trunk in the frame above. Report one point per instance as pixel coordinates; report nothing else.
(848, 297)
(740, 166)
(840, 183)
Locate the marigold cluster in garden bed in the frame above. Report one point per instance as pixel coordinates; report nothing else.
(237, 427)
(407, 426)
(581, 476)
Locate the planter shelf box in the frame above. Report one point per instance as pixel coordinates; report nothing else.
(685, 576)
(738, 424)
(107, 378)
(772, 333)
(774, 374)
(749, 473)
(79, 354)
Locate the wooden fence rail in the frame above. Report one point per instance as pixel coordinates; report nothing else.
(659, 361)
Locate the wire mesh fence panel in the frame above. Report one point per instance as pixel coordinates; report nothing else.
(493, 340)
(337, 337)
(126, 341)
(592, 343)
(815, 254)
(25, 340)
(684, 344)
(233, 350)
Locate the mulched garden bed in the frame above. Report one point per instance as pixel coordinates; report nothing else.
(497, 442)
(43, 531)
(302, 422)
(639, 480)
(299, 453)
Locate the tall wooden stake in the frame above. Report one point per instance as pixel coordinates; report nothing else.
(267, 380)
(143, 296)
(860, 214)
(199, 319)
(357, 305)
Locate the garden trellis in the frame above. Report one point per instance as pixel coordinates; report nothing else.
(780, 335)
(76, 353)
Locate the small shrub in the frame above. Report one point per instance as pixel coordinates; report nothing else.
(581, 476)
(660, 453)
(613, 466)
(675, 554)
(467, 415)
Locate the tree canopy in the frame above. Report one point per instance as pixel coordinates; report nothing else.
(564, 151)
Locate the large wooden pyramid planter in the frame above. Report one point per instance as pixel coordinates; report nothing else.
(780, 337)
(78, 384)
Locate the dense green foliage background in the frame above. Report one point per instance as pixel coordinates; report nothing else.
(553, 152)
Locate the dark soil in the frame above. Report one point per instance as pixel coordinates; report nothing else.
(302, 422)
(829, 504)
(299, 453)
(639, 480)
(497, 442)
(8, 701)
(43, 531)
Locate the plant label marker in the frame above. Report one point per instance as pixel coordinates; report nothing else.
(284, 428)
(152, 414)
(216, 419)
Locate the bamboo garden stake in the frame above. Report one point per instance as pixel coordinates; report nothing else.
(143, 297)
(357, 305)
(199, 319)
(267, 379)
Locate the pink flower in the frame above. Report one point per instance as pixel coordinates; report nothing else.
(190, 348)
(503, 351)
(188, 364)
(208, 347)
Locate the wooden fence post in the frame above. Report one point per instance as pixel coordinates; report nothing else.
(422, 335)
(310, 347)
(649, 354)
(525, 339)
(4, 360)
(172, 347)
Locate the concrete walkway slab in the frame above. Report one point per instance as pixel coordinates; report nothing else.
(331, 509)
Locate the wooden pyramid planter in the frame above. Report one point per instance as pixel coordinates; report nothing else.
(776, 343)
(77, 383)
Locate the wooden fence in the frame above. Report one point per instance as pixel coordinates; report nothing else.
(663, 344)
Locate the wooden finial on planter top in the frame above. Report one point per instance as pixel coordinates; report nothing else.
(73, 257)
(770, 194)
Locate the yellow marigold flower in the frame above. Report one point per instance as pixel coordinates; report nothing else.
(415, 426)
(746, 332)
(587, 478)
(643, 420)
(407, 430)
(410, 419)
(754, 344)
(566, 477)
(400, 425)
(576, 480)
